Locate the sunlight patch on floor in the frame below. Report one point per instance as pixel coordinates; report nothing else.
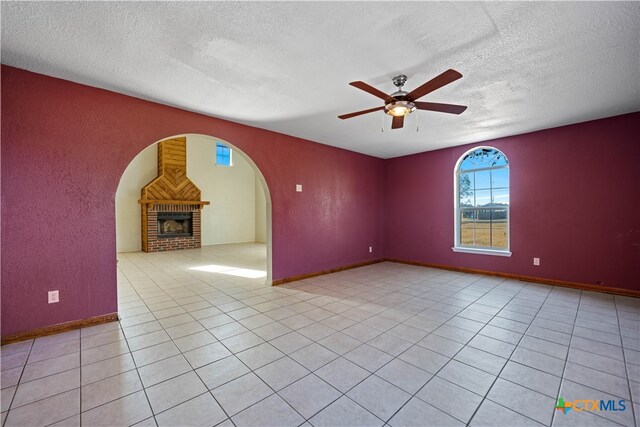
(231, 271)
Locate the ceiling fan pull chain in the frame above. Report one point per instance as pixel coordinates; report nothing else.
(417, 123)
(382, 123)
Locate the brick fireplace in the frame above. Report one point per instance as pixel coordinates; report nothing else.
(170, 204)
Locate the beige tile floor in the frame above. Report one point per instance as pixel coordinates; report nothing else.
(202, 341)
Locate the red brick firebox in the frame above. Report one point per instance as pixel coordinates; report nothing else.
(159, 244)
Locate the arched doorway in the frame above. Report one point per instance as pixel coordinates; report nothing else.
(201, 154)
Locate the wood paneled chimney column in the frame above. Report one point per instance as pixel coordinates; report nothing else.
(170, 191)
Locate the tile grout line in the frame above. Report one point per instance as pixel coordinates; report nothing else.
(367, 325)
(370, 374)
(43, 377)
(392, 356)
(564, 368)
(414, 344)
(450, 358)
(135, 367)
(18, 383)
(211, 362)
(313, 372)
(141, 384)
(563, 379)
(383, 291)
(196, 373)
(509, 358)
(182, 354)
(288, 356)
(624, 360)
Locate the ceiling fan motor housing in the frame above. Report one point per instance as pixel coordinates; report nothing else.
(398, 106)
(399, 81)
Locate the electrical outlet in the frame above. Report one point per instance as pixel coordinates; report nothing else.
(370, 249)
(536, 261)
(54, 296)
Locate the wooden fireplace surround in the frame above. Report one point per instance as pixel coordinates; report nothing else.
(170, 191)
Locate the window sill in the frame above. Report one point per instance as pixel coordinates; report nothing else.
(479, 251)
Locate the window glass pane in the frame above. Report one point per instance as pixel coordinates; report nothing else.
(483, 190)
(483, 215)
(466, 185)
(499, 228)
(467, 163)
(483, 228)
(223, 155)
(483, 198)
(465, 189)
(500, 196)
(467, 201)
(467, 228)
(498, 159)
(500, 178)
(483, 180)
(483, 158)
(469, 214)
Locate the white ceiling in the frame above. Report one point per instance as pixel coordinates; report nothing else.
(285, 66)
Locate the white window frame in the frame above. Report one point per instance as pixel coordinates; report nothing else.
(456, 208)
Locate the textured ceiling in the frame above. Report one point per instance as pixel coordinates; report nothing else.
(285, 66)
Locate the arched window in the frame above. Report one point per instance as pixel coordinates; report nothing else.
(482, 202)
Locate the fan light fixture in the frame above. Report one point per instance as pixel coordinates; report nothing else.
(400, 103)
(399, 108)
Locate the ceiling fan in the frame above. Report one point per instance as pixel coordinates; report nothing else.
(400, 103)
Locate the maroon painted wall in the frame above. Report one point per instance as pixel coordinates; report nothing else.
(574, 198)
(575, 204)
(64, 149)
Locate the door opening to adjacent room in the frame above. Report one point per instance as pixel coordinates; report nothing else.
(189, 226)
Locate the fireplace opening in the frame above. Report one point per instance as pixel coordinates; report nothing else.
(175, 224)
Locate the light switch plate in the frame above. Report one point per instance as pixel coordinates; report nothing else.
(299, 188)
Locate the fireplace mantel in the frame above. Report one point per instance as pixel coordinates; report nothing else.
(172, 202)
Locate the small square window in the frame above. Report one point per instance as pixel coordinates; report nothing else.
(223, 155)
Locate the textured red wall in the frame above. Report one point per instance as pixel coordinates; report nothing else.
(64, 148)
(574, 198)
(574, 204)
